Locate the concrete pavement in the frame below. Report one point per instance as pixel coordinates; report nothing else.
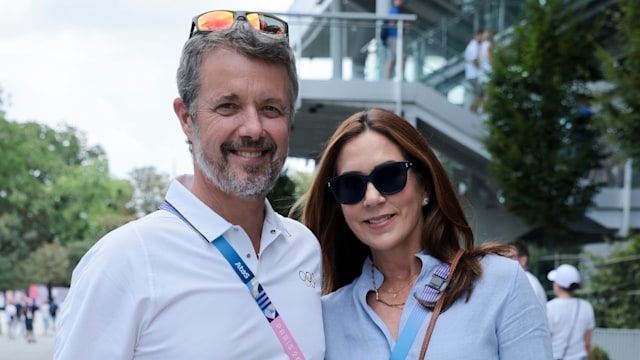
(19, 349)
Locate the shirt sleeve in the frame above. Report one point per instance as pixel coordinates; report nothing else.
(101, 314)
(522, 329)
(591, 323)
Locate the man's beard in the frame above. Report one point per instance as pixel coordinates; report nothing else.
(256, 181)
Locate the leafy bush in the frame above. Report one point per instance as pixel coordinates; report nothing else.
(598, 354)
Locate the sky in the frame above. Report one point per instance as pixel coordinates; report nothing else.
(106, 68)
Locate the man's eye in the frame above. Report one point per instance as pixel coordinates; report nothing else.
(226, 108)
(272, 110)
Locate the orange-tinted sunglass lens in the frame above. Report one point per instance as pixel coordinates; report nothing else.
(254, 20)
(221, 19)
(215, 20)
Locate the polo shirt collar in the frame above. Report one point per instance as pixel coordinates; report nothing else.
(207, 221)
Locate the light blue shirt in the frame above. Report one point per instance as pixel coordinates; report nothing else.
(501, 320)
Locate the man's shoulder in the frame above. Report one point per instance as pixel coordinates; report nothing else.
(533, 278)
(126, 237)
(295, 227)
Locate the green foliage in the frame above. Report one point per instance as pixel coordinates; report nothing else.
(9, 278)
(47, 265)
(303, 182)
(282, 196)
(149, 188)
(621, 106)
(75, 251)
(82, 197)
(541, 145)
(598, 354)
(615, 287)
(52, 186)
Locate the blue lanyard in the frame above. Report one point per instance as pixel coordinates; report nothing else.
(257, 291)
(430, 296)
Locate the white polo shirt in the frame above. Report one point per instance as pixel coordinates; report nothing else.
(155, 289)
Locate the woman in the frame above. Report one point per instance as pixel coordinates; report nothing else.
(387, 215)
(571, 320)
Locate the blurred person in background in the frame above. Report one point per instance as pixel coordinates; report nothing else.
(571, 320)
(520, 253)
(397, 7)
(28, 312)
(472, 87)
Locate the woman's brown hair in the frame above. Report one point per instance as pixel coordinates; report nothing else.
(445, 228)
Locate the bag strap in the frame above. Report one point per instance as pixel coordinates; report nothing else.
(438, 307)
(425, 301)
(575, 319)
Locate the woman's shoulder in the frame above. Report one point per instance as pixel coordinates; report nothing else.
(339, 297)
(497, 265)
(499, 272)
(586, 304)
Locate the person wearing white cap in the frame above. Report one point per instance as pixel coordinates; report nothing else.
(571, 320)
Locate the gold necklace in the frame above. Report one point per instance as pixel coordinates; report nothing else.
(394, 294)
(378, 299)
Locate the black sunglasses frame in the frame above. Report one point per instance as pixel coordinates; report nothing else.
(371, 178)
(236, 16)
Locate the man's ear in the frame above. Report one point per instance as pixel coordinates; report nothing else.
(184, 117)
(523, 260)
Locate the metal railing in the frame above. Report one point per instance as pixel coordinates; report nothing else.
(619, 344)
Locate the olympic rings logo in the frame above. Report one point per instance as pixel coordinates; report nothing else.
(308, 278)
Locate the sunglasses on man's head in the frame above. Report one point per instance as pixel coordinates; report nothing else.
(223, 19)
(388, 179)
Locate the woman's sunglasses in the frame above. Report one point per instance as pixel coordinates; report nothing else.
(223, 19)
(388, 179)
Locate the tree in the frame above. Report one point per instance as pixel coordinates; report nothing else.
(75, 252)
(282, 196)
(303, 182)
(83, 201)
(540, 136)
(149, 188)
(27, 165)
(52, 186)
(621, 106)
(615, 287)
(47, 265)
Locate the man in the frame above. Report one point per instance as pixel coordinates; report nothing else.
(178, 283)
(397, 7)
(485, 68)
(472, 88)
(521, 254)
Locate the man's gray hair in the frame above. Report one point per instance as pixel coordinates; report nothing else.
(245, 40)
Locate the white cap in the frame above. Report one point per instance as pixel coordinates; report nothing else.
(564, 275)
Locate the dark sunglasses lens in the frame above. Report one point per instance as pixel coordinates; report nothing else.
(390, 179)
(349, 189)
(273, 25)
